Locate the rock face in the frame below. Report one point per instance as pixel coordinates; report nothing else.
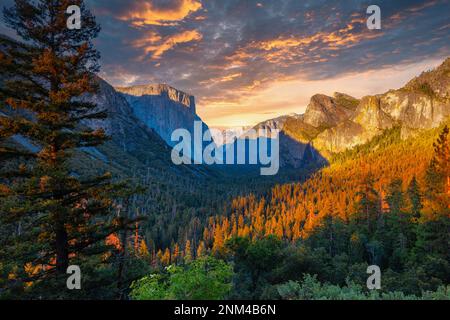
(334, 124)
(162, 108)
(297, 132)
(295, 150)
(133, 143)
(126, 130)
(423, 103)
(160, 92)
(324, 111)
(223, 136)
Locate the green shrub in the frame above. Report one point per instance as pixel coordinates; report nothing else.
(202, 279)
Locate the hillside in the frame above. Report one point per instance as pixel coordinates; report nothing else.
(290, 211)
(382, 203)
(162, 108)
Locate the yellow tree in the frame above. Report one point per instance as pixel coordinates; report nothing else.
(187, 251)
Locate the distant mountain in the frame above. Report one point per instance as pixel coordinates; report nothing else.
(295, 151)
(222, 136)
(133, 141)
(162, 108)
(133, 145)
(128, 134)
(141, 115)
(142, 118)
(297, 131)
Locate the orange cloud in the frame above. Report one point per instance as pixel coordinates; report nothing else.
(156, 46)
(287, 50)
(284, 51)
(281, 43)
(285, 96)
(150, 37)
(147, 14)
(226, 78)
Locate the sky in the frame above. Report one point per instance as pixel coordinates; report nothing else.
(247, 61)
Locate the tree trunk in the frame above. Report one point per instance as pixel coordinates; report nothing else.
(121, 268)
(448, 188)
(62, 253)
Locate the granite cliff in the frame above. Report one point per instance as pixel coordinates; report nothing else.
(162, 108)
(334, 124)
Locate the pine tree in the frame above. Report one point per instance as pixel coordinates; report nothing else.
(53, 218)
(433, 234)
(143, 249)
(165, 258)
(415, 198)
(395, 197)
(201, 250)
(368, 208)
(187, 252)
(176, 253)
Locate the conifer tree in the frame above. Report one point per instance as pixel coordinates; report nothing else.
(415, 199)
(53, 218)
(201, 250)
(395, 197)
(187, 252)
(368, 208)
(438, 175)
(433, 235)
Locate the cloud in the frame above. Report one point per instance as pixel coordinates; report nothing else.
(285, 50)
(222, 50)
(293, 95)
(149, 38)
(155, 45)
(226, 78)
(162, 13)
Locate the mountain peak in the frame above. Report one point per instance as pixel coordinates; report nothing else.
(325, 111)
(434, 83)
(162, 108)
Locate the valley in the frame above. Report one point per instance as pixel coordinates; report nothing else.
(179, 201)
(386, 136)
(92, 175)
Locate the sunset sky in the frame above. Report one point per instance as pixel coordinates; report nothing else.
(246, 61)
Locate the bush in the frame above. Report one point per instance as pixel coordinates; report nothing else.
(311, 289)
(202, 279)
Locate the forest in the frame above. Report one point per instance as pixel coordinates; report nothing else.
(315, 239)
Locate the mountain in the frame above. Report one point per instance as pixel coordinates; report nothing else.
(324, 111)
(127, 132)
(133, 146)
(334, 124)
(141, 120)
(297, 131)
(162, 108)
(423, 103)
(222, 136)
(295, 149)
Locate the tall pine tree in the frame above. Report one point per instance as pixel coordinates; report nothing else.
(50, 218)
(438, 175)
